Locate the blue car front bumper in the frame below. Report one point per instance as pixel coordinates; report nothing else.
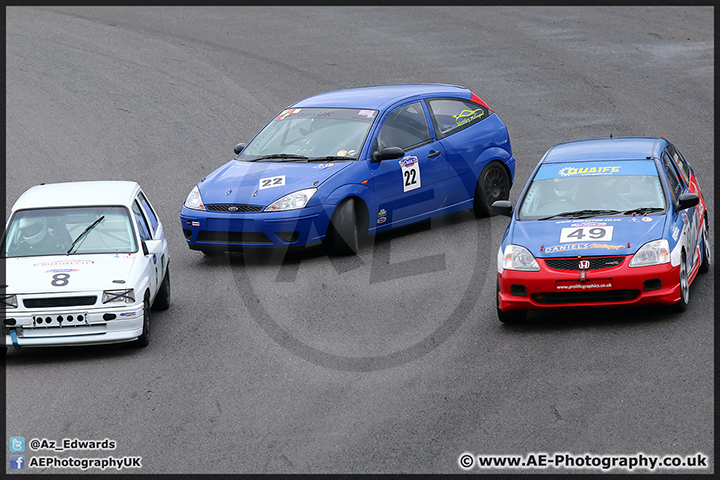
(205, 230)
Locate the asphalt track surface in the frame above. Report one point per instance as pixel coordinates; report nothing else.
(392, 361)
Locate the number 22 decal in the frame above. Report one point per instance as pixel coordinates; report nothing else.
(580, 234)
(60, 279)
(411, 173)
(272, 182)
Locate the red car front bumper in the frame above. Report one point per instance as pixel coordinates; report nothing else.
(620, 285)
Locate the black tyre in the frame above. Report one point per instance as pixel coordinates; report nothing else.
(684, 280)
(492, 185)
(343, 237)
(211, 252)
(162, 299)
(706, 250)
(517, 316)
(144, 339)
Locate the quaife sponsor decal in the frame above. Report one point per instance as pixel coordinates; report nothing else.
(582, 171)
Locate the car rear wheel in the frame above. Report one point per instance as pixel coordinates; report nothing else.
(144, 339)
(343, 237)
(682, 304)
(516, 316)
(706, 249)
(492, 185)
(162, 299)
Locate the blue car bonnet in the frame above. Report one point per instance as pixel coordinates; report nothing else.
(235, 182)
(543, 238)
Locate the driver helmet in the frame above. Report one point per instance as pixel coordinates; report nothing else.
(33, 229)
(565, 188)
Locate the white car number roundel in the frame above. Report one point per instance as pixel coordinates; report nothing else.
(410, 173)
(584, 234)
(272, 182)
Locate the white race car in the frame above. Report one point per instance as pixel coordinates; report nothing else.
(85, 261)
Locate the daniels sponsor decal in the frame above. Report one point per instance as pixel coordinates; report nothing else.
(581, 246)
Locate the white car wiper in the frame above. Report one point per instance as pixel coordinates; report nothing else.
(290, 156)
(583, 213)
(84, 232)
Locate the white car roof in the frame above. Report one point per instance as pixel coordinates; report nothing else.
(71, 194)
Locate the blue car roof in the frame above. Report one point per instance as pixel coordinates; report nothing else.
(618, 148)
(380, 97)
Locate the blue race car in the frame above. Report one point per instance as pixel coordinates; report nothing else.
(605, 222)
(340, 165)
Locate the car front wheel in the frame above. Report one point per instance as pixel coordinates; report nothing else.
(682, 304)
(343, 237)
(706, 249)
(144, 339)
(492, 185)
(162, 299)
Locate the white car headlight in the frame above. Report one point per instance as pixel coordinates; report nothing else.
(126, 295)
(652, 253)
(293, 201)
(516, 257)
(10, 301)
(194, 200)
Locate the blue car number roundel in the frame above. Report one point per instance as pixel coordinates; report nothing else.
(411, 173)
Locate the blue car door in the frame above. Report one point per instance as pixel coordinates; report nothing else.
(417, 183)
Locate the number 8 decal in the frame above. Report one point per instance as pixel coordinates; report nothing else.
(60, 279)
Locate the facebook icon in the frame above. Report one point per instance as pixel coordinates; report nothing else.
(17, 462)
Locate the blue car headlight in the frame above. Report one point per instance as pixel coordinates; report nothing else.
(292, 201)
(194, 200)
(516, 257)
(652, 253)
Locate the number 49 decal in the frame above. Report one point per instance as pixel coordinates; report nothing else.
(584, 234)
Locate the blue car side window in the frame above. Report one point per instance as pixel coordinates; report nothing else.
(453, 114)
(676, 185)
(406, 127)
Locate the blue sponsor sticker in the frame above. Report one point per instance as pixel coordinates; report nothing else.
(589, 169)
(408, 161)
